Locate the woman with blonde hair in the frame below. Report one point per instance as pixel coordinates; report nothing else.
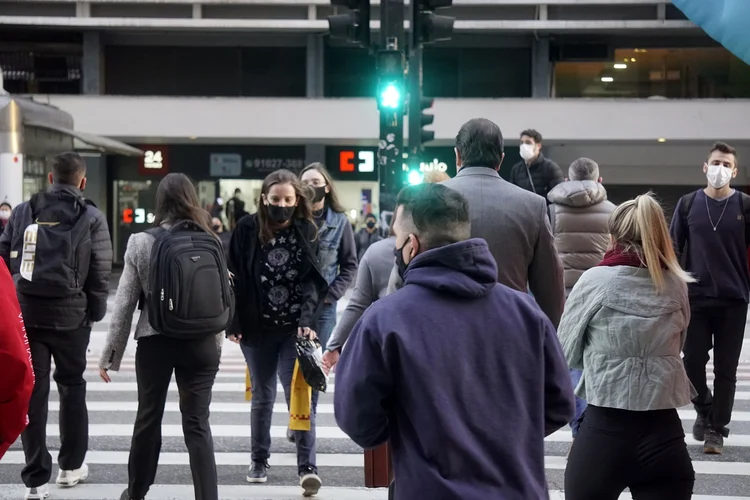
(624, 325)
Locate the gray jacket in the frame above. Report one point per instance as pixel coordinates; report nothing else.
(627, 339)
(133, 281)
(372, 282)
(515, 225)
(580, 222)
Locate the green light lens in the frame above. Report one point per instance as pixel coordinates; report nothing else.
(415, 177)
(390, 97)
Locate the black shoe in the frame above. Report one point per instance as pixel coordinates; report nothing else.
(309, 480)
(714, 444)
(257, 472)
(126, 496)
(290, 435)
(699, 428)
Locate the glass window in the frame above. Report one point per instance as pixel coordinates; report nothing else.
(41, 72)
(678, 73)
(349, 72)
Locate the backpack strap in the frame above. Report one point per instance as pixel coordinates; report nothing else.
(155, 232)
(551, 214)
(686, 203)
(745, 209)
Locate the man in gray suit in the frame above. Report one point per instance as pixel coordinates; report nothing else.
(512, 220)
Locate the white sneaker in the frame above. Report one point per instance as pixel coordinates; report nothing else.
(311, 483)
(70, 478)
(38, 493)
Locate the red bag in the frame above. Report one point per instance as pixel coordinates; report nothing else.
(16, 372)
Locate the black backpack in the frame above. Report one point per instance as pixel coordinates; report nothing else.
(56, 247)
(190, 293)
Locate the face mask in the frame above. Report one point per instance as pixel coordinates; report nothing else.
(320, 193)
(718, 176)
(527, 151)
(370, 224)
(4, 214)
(279, 214)
(216, 228)
(400, 263)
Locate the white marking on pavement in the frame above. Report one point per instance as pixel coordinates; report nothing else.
(238, 387)
(173, 430)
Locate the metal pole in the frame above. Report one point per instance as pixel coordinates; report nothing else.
(415, 149)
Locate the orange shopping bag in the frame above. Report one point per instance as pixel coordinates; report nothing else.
(299, 402)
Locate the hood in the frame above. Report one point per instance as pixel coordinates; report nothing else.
(466, 269)
(577, 193)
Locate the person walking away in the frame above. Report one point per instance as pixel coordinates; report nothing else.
(224, 236)
(535, 173)
(711, 235)
(338, 253)
(517, 230)
(624, 326)
(279, 292)
(15, 365)
(235, 209)
(367, 235)
(579, 215)
(194, 359)
(58, 249)
(451, 308)
(5, 210)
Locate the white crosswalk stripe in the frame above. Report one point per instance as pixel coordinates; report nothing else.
(112, 410)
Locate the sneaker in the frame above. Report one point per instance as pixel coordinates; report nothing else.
(38, 493)
(70, 478)
(699, 428)
(714, 444)
(289, 435)
(310, 482)
(126, 496)
(257, 472)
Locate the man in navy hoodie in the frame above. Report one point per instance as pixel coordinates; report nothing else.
(444, 367)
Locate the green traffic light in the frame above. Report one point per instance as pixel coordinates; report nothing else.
(390, 97)
(415, 177)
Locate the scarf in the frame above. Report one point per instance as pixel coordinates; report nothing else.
(617, 256)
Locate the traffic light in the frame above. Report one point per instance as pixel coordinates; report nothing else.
(418, 120)
(353, 26)
(391, 93)
(428, 27)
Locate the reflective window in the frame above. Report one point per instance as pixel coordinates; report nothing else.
(679, 73)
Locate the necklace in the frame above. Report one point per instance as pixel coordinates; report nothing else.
(708, 211)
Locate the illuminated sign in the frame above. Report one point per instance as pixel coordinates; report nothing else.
(137, 216)
(434, 166)
(155, 160)
(365, 161)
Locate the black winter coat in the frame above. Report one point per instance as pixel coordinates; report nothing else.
(544, 173)
(88, 302)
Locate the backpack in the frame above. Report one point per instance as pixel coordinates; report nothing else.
(56, 248)
(190, 293)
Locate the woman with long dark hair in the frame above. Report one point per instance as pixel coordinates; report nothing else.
(338, 253)
(278, 288)
(194, 362)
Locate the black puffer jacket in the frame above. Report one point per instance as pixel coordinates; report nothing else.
(84, 304)
(544, 173)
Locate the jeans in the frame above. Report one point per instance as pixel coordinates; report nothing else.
(195, 363)
(721, 326)
(265, 361)
(68, 348)
(641, 450)
(325, 323)
(575, 377)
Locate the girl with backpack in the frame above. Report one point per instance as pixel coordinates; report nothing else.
(278, 288)
(194, 360)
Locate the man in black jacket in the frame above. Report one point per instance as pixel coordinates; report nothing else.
(535, 173)
(57, 247)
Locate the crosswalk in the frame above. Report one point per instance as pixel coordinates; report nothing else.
(112, 410)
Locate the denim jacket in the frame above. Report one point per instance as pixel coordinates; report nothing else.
(337, 253)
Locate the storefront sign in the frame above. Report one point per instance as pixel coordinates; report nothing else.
(364, 162)
(155, 160)
(137, 216)
(352, 164)
(226, 165)
(259, 167)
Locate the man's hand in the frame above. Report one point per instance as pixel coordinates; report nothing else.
(104, 375)
(235, 338)
(330, 359)
(307, 332)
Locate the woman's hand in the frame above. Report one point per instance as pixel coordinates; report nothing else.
(307, 332)
(104, 375)
(235, 338)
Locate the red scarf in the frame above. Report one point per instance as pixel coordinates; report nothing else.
(617, 256)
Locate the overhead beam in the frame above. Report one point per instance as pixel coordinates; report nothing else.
(493, 3)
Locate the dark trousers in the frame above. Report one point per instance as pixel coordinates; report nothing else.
(641, 450)
(68, 349)
(275, 356)
(721, 326)
(195, 363)
(325, 323)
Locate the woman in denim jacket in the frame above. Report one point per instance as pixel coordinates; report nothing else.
(337, 251)
(624, 325)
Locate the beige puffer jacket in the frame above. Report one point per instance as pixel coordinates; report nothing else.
(580, 215)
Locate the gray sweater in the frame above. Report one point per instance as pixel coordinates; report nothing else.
(133, 281)
(371, 285)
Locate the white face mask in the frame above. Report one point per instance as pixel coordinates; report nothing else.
(4, 214)
(527, 151)
(718, 176)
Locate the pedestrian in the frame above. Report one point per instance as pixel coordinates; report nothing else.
(15, 365)
(338, 253)
(711, 235)
(235, 209)
(62, 282)
(517, 230)
(367, 235)
(194, 362)
(5, 210)
(579, 215)
(279, 290)
(536, 172)
(452, 355)
(224, 236)
(624, 325)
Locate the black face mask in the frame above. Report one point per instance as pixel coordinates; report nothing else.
(370, 224)
(216, 228)
(320, 193)
(400, 264)
(280, 215)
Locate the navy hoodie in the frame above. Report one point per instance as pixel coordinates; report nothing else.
(463, 375)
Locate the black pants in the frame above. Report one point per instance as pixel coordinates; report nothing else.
(68, 349)
(617, 449)
(721, 326)
(195, 363)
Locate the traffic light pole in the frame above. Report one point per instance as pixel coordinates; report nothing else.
(415, 149)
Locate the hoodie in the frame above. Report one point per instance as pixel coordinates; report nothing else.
(443, 368)
(579, 215)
